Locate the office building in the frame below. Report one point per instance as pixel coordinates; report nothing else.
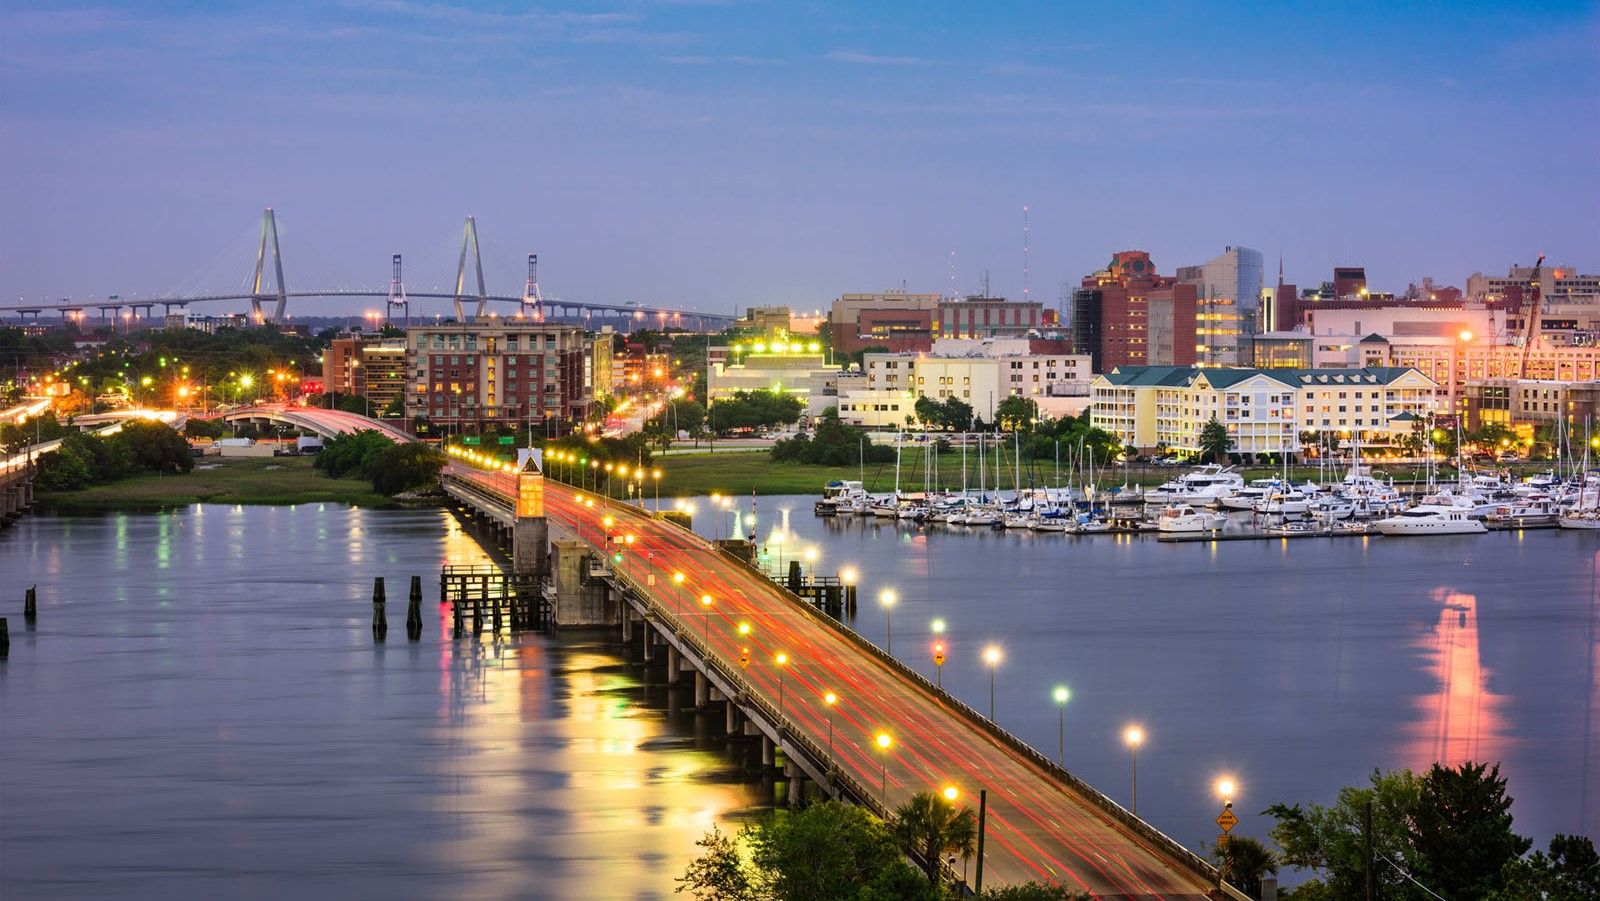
(1128, 315)
(1228, 293)
(368, 366)
(1528, 404)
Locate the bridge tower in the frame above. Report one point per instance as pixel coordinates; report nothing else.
(532, 302)
(469, 239)
(269, 229)
(397, 296)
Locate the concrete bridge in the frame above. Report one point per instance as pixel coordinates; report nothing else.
(770, 662)
(327, 423)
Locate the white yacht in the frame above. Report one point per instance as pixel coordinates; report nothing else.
(1284, 503)
(1184, 518)
(1202, 486)
(1247, 497)
(1440, 518)
(1534, 511)
(839, 494)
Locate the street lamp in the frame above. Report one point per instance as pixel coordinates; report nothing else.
(655, 476)
(1133, 736)
(1062, 695)
(884, 741)
(782, 660)
(705, 601)
(828, 701)
(938, 664)
(886, 598)
(1226, 819)
(991, 657)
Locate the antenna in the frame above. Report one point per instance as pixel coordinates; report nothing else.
(1027, 289)
(954, 295)
(986, 284)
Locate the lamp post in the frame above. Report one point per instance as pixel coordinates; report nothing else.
(1062, 695)
(655, 476)
(782, 660)
(828, 701)
(705, 601)
(991, 657)
(1134, 737)
(886, 598)
(1226, 820)
(937, 626)
(884, 742)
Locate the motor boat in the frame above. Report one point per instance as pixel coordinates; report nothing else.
(1284, 503)
(1201, 486)
(1521, 514)
(1294, 529)
(1184, 518)
(1246, 498)
(838, 493)
(1330, 506)
(1432, 519)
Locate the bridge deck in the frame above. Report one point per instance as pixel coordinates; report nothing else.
(1040, 826)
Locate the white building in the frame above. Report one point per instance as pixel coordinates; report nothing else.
(804, 375)
(1266, 411)
(978, 373)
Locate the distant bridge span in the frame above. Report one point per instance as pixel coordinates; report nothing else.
(327, 423)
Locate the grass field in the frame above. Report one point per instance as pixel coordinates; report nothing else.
(272, 480)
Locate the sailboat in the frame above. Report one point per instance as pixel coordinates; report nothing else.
(1581, 518)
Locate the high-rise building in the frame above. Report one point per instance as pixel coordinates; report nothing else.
(367, 366)
(1128, 315)
(1349, 281)
(896, 320)
(472, 374)
(1228, 291)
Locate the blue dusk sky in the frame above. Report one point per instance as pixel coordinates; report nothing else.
(717, 154)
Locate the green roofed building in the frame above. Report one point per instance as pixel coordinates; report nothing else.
(1266, 410)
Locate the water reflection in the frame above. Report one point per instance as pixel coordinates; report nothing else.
(1462, 720)
(222, 725)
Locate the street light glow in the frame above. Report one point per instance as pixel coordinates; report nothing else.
(1134, 736)
(938, 627)
(1226, 787)
(951, 793)
(781, 659)
(848, 575)
(1062, 694)
(830, 699)
(884, 741)
(991, 655)
(886, 597)
(677, 578)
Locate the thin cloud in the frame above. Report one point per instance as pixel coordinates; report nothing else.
(873, 59)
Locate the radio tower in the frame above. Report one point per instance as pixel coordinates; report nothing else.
(397, 296)
(532, 303)
(1027, 275)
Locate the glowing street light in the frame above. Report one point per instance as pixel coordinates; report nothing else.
(951, 793)
(705, 602)
(828, 700)
(782, 660)
(991, 658)
(1133, 737)
(886, 598)
(1062, 695)
(883, 741)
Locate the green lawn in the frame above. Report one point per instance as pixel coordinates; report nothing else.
(271, 480)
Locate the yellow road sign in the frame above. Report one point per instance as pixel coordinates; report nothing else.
(1227, 820)
(1223, 840)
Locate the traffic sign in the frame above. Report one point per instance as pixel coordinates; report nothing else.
(938, 658)
(1227, 820)
(744, 657)
(471, 439)
(508, 439)
(1223, 840)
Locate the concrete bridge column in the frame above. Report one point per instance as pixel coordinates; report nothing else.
(732, 717)
(649, 643)
(627, 624)
(767, 756)
(530, 536)
(702, 689)
(674, 664)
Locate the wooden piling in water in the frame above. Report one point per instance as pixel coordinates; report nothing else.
(414, 610)
(380, 622)
(30, 603)
(5, 638)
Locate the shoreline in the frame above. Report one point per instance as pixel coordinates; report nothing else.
(263, 481)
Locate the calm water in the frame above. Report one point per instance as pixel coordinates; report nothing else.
(1296, 666)
(202, 708)
(202, 713)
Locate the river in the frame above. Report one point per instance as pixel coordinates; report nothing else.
(201, 709)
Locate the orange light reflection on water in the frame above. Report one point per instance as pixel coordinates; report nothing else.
(1463, 719)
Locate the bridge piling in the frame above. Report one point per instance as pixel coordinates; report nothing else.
(702, 690)
(30, 604)
(5, 638)
(414, 610)
(674, 665)
(380, 622)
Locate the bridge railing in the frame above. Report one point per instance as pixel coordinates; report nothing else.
(1171, 846)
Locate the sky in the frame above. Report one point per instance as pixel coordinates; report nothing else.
(716, 155)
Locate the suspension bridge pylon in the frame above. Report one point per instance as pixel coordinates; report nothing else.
(532, 303)
(397, 296)
(469, 240)
(269, 230)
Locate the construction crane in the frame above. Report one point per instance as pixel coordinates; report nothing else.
(1530, 314)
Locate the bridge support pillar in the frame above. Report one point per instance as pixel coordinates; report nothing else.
(627, 624)
(732, 718)
(702, 689)
(768, 758)
(649, 643)
(674, 664)
(580, 602)
(530, 536)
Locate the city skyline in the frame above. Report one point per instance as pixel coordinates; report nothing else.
(721, 155)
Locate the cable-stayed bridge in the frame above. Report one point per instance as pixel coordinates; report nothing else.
(258, 279)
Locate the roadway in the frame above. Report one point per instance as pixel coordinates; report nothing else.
(1039, 827)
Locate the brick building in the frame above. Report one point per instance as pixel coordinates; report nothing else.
(1128, 315)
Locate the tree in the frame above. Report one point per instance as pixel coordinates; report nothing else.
(1030, 891)
(353, 452)
(64, 470)
(824, 852)
(403, 467)
(833, 443)
(154, 447)
(1569, 872)
(1334, 840)
(1215, 441)
(1245, 860)
(1017, 412)
(1461, 830)
(928, 827)
(718, 874)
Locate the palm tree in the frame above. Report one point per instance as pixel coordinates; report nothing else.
(1244, 861)
(928, 826)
